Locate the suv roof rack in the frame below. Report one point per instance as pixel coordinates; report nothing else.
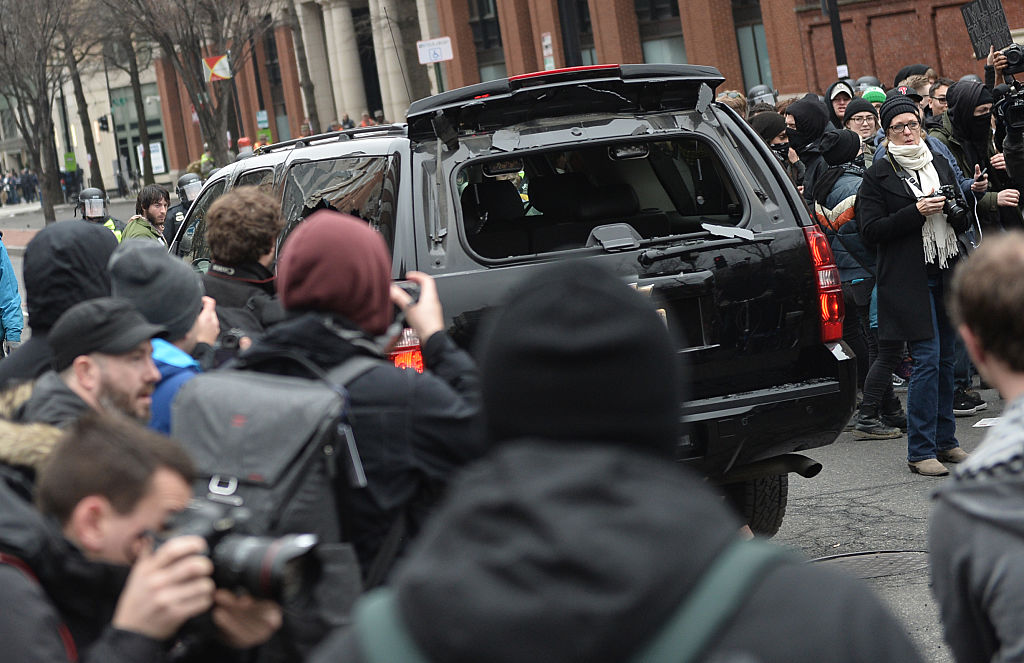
(344, 134)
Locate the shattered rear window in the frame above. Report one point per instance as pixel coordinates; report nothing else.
(554, 200)
(363, 187)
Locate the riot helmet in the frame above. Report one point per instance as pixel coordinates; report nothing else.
(188, 187)
(762, 94)
(864, 82)
(92, 202)
(974, 78)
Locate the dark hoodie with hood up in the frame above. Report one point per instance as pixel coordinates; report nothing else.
(976, 539)
(811, 123)
(65, 263)
(580, 535)
(969, 140)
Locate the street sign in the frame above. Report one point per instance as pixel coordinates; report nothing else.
(70, 163)
(261, 120)
(547, 51)
(435, 50)
(156, 154)
(986, 25)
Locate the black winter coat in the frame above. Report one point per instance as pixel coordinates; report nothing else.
(553, 552)
(889, 219)
(412, 429)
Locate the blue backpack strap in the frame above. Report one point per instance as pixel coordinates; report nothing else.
(718, 595)
(379, 629)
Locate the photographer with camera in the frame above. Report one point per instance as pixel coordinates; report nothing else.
(910, 209)
(1010, 112)
(82, 580)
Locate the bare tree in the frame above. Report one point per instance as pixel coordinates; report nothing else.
(79, 45)
(291, 17)
(30, 80)
(188, 30)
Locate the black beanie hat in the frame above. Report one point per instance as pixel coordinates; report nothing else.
(838, 147)
(165, 290)
(811, 119)
(577, 355)
(908, 71)
(896, 105)
(768, 125)
(859, 105)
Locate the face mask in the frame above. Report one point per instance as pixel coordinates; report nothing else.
(781, 150)
(982, 124)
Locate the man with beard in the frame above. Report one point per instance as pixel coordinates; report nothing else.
(168, 293)
(150, 214)
(101, 361)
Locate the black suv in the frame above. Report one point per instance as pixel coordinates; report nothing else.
(633, 166)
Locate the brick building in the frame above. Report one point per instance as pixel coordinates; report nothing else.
(783, 43)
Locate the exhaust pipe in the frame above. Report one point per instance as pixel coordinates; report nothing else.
(798, 463)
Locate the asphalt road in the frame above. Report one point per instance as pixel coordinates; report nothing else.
(865, 499)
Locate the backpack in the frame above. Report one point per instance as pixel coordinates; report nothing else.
(282, 448)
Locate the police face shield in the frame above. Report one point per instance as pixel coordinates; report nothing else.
(189, 192)
(94, 208)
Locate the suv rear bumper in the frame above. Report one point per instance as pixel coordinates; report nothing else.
(728, 432)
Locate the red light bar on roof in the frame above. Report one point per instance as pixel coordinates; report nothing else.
(549, 72)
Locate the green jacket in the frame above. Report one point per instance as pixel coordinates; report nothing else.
(140, 227)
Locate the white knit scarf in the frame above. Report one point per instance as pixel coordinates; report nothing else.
(937, 235)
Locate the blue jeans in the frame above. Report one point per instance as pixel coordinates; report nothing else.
(931, 426)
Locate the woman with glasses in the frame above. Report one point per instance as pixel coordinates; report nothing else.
(904, 214)
(862, 119)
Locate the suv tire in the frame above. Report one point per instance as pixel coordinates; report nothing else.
(761, 502)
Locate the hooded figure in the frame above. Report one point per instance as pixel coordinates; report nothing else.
(811, 118)
(969, 139)
(579, 536)
(837, 96)
(64, 264)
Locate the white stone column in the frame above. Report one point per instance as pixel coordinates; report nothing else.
(311, 24)
(331, 41)
(390, 60)
(350, 93)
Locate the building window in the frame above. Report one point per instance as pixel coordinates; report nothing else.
(751, 41)
(661, 33)
(483, 20)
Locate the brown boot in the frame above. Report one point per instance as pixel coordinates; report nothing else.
(928, 467)
(954, 455)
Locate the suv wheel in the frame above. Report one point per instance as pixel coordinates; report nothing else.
(761, 502)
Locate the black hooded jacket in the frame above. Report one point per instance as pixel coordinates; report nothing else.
(64, 264)
(562, 552)
(811, 123)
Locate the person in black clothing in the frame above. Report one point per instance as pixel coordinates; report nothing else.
(771, 127)
(579, 536)
(64, 264)
(806, 123)
(82, 581)
(411, 429)
(242, 227)
(188, 187)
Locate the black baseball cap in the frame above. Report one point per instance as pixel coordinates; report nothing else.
(106, 325)
(905, 91)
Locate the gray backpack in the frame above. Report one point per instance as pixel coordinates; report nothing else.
(282, 448)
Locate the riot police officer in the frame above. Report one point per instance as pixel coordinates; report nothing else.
(188, 188)
(93, 204)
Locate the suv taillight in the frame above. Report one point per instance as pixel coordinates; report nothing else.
(407, 353)
(830, 289)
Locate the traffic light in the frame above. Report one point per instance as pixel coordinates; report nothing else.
(104, 126)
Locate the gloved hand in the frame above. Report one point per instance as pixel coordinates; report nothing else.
(10, 346)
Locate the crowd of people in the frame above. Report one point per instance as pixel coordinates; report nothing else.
(525, 504)
(905, 183)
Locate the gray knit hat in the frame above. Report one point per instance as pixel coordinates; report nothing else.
(165, 290)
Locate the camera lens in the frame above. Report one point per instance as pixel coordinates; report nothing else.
(278, 569)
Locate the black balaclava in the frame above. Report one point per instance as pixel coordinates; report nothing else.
(768, 126)
(973, 133)
(576, 355)
(811, 119)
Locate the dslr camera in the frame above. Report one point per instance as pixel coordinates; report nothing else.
(1014, 59)
(280, 569)
(954, 211)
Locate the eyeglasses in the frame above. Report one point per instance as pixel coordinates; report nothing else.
(941, 100)
(862, 119)
(900, 128)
